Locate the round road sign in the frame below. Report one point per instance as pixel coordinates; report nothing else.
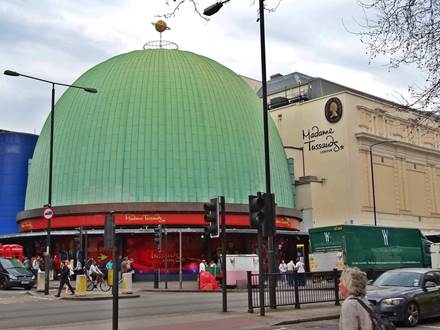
(48, 213)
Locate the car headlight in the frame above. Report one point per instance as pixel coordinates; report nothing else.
(12, 277)
(392, 301)
(33, 277)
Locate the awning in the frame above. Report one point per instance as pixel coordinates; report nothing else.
(143, 231)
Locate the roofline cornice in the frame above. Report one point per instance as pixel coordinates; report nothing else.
(162, 207)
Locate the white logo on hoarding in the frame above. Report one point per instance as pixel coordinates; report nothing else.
(385, 237)
(327, 236)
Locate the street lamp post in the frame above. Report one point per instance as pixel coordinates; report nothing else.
(211, 10)
(49, 197)
(372, 175)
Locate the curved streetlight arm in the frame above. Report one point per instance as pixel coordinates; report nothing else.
(16, 74)
(52, 124)
(211, 10)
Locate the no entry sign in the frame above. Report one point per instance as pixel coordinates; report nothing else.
(48, 213)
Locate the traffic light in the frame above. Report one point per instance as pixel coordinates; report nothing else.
(256, 210)
(79, 240)
(212, 216)
(109, 231)
(158, 237)
(262, 213)
(269, 228)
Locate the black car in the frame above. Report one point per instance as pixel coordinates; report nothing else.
(407, 295)
(13, 274)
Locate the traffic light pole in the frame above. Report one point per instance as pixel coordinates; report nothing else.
(270, 238)
(166, 258)
(81, 246)
(49, 197)
(224, 289)
(110, 244)
(260, 271)
(115, 288)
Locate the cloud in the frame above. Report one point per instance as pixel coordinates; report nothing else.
(61, 39)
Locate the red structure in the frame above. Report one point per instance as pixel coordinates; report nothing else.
(12, 251)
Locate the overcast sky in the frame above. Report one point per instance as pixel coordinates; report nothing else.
(60, 39)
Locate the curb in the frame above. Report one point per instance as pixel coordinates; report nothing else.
(176, 290)
(88, 297)
(188, 290)
(310, 319)
(100, 297)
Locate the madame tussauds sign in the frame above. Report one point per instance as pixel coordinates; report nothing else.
(321, 140)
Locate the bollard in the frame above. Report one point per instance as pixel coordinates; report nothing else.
(297, 303)
(127, 282)
(249, 289)
(156, 279)
(40, 281)
(81, 285)
(110, 277)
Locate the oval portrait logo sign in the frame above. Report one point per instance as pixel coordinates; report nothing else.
(333, 110)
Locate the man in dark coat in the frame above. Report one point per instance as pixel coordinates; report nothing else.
(64, 278)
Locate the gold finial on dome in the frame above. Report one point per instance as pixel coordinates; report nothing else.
(161, 26)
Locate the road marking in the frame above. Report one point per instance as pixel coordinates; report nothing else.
(19, 299)
(43, 298)
(428, 326)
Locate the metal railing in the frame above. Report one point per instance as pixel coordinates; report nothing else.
(293, 289)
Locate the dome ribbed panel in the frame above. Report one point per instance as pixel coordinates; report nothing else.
(165, 126)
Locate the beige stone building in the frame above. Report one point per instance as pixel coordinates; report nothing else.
(336, 126)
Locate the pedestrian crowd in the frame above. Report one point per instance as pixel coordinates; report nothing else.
(66, 270)
(293, 271)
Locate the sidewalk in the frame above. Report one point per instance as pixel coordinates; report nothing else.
(282, 315)
(96, 294)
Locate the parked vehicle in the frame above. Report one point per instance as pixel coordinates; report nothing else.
(369, 248)
(407, 295)
(13, 274)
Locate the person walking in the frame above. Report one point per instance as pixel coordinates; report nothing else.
(352, 286)
(125, 265)
(300, 272)
(27, 263)
(283, 270)
(36, 264)
(290, 272)
(56, 265)
(202, 268)
(64, 278)
(78, 268)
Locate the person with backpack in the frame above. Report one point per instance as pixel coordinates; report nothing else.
(356, 312)
(352, 286)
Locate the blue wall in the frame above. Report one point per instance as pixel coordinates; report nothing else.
(15, 151)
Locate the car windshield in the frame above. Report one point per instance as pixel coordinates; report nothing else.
(11, 263)
(407, 279)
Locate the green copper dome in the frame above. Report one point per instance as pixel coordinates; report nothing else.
(165, 126)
